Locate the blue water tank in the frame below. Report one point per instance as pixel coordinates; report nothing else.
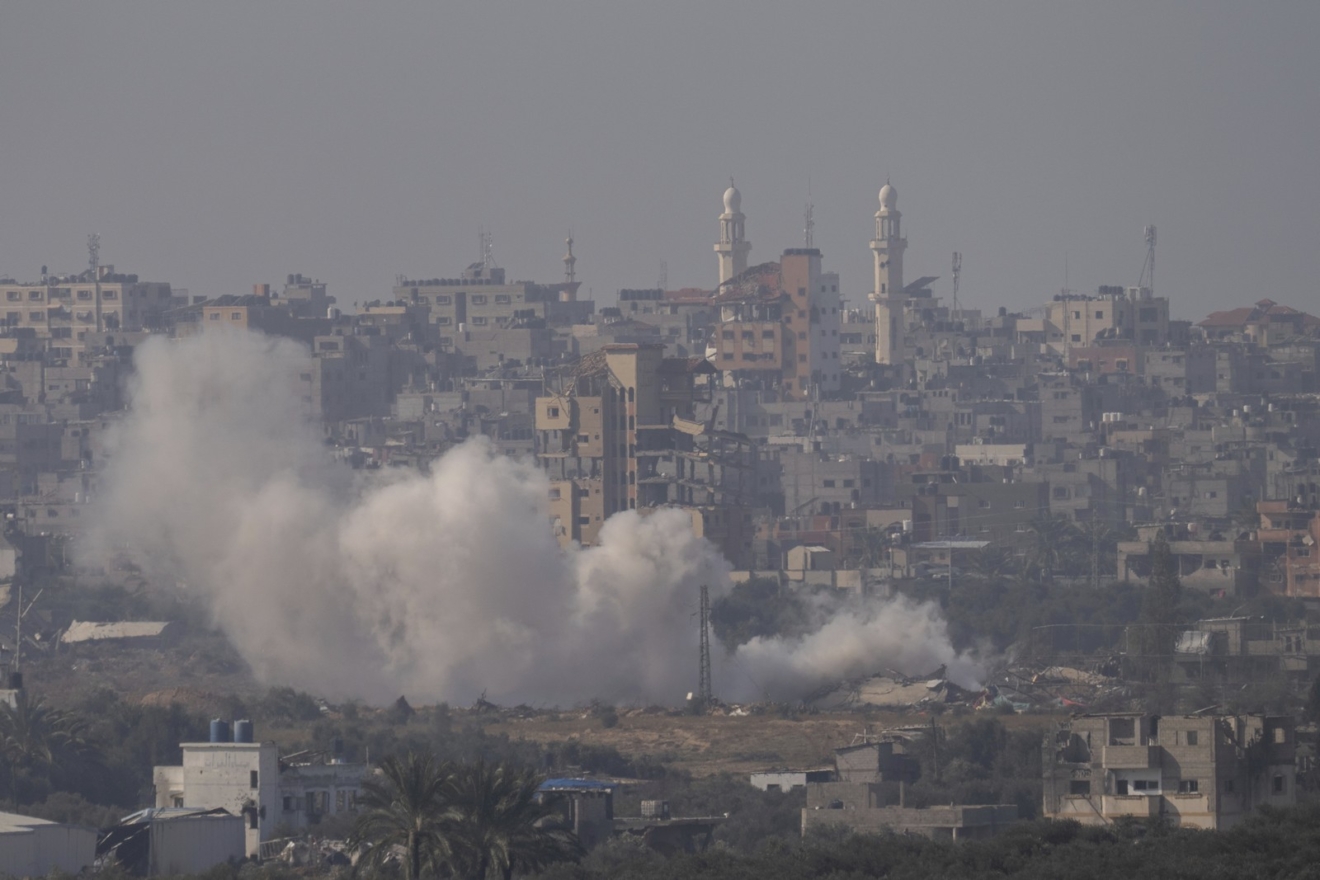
(243, 731)
(219, 730)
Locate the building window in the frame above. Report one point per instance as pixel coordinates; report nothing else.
(235, 316)
(443, 300)
(1189, 786)
(1079, 787)
(552, 412)
(252, 779)
(1192, 738)
(828, 484)
(554, 494)
(502, 298)
(479, 320)
(215, 316)
(1278, 785)
(478, 299)
(1229, 786)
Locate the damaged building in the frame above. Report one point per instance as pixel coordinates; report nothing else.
(1203, 771)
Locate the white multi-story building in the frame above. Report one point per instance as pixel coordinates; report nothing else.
(250, 780)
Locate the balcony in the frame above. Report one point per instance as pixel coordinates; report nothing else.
(1130, 757)
(1140, 806)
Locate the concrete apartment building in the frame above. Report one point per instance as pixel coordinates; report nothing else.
(585, 432)
(856, 799)
(1111, 314)
(481, 298)
(1289, 539)
(779, 322)
(65, 308)
(1202, 771)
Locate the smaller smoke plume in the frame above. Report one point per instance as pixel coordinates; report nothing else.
(867, 638)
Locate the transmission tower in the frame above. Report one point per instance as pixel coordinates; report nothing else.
(705, 693)
(1148, 270)
(662, 280)
(957, 274)
(809, 227)
(94, 264)
(93, 252)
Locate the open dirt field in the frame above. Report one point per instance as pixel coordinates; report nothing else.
(706, 745)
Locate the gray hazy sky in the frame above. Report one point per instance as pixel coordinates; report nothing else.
(218, 144)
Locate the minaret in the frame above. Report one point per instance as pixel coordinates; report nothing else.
(570, 261)
(733, 245)
(888, 247)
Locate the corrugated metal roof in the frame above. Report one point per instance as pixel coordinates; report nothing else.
(90, 631)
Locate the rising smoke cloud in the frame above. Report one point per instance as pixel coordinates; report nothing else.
(439, 586)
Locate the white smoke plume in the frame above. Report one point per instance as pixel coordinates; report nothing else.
(440, 586)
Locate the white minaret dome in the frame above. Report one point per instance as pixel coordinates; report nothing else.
(888, 196)
(732, 199)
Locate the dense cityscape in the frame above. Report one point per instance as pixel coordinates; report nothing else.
(853, 458)
(589, 441)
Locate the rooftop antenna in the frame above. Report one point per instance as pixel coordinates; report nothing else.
(94, 263)
(570, 261)
(1147, 279)
(487, 251)
(809, 229)
(957, 274)
(705, 693)
(94, 253)
(662, 281)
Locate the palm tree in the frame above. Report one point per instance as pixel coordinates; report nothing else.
(39, 740)
(495, 822)
(1056, 540)
(405, 807)
(992, 563)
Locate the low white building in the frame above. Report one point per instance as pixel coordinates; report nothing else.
(250, 780)
(36, 847)
(166, 842)
(787, 780)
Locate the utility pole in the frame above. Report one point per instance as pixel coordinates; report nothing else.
(705, 693)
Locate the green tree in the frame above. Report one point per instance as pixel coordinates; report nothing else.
(494, 820)
(1056, 547)
(1159, 610)
(42, 746)
(405, 806)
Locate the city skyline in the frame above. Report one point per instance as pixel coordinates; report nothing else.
(241, 143)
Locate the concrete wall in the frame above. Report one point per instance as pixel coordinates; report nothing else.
(35, 847)
(190, 844)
